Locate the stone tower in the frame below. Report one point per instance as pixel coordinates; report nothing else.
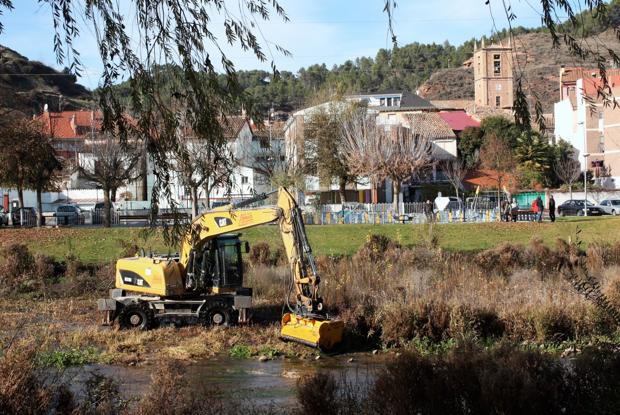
(493, 76)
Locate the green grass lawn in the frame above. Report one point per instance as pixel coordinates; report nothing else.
(102, 245)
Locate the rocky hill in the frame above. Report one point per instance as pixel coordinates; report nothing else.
(536, 59)
(26, 86)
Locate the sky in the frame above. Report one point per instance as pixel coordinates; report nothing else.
(319, 31)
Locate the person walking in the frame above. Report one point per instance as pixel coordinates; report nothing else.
(514, 208)
(539, 209)
(506, 210)
(552, 208)
(535, 210)
(428, 211)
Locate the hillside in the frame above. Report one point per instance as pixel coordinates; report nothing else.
(539, 62)
(26, 86)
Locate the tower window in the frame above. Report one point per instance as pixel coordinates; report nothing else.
(498, 101)
(497, 66)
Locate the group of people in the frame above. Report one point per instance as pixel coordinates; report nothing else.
(510, 210)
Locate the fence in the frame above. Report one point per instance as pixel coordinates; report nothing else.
(383, 213)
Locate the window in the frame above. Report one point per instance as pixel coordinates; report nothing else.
(382, 102)
(497, 66)
(498, 101)
(397, 102)
(244, 180)
(389, 102)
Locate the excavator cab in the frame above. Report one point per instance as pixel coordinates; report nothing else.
(216, 264)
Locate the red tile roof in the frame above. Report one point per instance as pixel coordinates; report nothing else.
(458, 120)
(71, 124)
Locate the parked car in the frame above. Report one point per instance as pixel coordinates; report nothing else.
(455, 203)
(26, 216)
(610, 206)
(4, 219)
(98, 212)
(67, 215)
(576, 207)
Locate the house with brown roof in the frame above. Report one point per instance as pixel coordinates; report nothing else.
(392, 108)
(70, 130)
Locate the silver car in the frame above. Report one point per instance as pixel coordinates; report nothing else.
(610, 206)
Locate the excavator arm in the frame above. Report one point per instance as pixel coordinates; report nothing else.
(307, 322)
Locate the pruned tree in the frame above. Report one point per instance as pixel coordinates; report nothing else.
(111, 165)
(398, 153)
(568, 170)
(496, 156)
(407, 153)
(363, 145)
(455, 171)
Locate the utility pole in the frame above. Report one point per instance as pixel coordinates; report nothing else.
(585, 168)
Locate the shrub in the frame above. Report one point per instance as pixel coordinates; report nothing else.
(317, 394)
(171, 394)
(260, 254)
(540, 257)
(553, 324)
(376, 247)
(17, 267)
(101, 396)
(26, 390)
(501, 261)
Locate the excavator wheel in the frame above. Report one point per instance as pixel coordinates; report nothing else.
(136, 316)
(218, 314)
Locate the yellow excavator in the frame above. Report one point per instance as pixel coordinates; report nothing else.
(204, 283)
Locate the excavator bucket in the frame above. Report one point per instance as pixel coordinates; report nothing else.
(323, 334)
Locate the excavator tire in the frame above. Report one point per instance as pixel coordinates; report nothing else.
(218, 314)
(136, 316)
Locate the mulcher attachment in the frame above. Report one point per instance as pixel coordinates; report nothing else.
(314, 332)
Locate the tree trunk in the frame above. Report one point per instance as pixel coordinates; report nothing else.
(106, 208)
(194, 192)
(113, 194)
(570, 190)
(20, 196)
(395, 196)
(144, 177)
(207, 195)
(39, 208)
(342, 190)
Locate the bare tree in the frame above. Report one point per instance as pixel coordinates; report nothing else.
(395, 152)
(202, 163)
(455, 171)
(363, 145)
(407, 152)
(568, 170)
(110, 166)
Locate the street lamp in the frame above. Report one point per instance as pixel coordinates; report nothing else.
(585, 168)
(585, 183)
